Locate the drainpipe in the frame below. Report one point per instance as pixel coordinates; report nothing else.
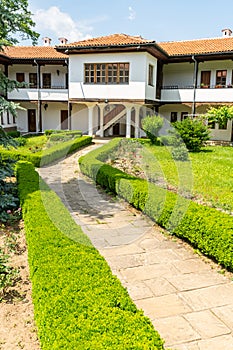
(195, 72)
(38, 97)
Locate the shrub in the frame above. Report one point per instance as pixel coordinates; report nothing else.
(47, 156)
(180, 153)
(78, 302)
(208, 229)
(193, 132)
(152, 125)
(13, 133)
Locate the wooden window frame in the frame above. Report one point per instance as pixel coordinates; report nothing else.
(151, 75)
(174, 114)
(46, 86)
(106, 73)
(33, 82)
(20, 80)
(221, 80)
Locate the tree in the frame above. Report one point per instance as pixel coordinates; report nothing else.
(220, 114)
(15, 23)
(151, 125)
(193, 132)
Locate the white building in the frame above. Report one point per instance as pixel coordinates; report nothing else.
(106, 85)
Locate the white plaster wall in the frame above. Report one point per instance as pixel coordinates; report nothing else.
(50, 117)
(44, 94)
(136, 89)
(151, 90)
(215, 134)
(166, 110)
(213, 66)
(79, 118)
(178, 74)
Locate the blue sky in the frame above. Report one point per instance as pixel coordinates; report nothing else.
(161, 20)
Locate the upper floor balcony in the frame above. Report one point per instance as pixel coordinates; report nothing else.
(46, 93)
(202, 93)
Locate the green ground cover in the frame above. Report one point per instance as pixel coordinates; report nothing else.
(78, 303)
(209, 175)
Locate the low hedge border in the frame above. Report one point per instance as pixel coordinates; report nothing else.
(207, 229)
(78, 303)
(49, 155)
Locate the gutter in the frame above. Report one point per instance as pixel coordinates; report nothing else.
(195, 72)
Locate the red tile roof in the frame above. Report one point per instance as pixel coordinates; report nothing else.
(110, 40)
(29, 52)
(199, 46)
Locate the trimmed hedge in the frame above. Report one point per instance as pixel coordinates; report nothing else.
(207, 229)
(78, 302)
(49, 155)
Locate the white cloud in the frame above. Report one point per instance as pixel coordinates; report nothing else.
(53, 22)
(132, 14)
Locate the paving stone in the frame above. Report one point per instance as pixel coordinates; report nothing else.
(147, 272)
(192, 265)
(129, 249)
(209, 297)
(225, 313)
(224, 342)
(139, 290)
(160, 286)
(207, 324)
(175, 330)
(195, 280)
(163, 306)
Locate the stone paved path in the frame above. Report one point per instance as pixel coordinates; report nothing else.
(189, 302)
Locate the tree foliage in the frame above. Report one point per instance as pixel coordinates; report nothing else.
(193, 132)
(220, 114)
(151, 125)
(16, 22)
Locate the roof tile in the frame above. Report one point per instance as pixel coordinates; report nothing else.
(29, 52)
(199, 46)
(111, 40)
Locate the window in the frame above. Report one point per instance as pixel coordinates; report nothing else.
(184, 115)
(223, 125)
(2, 118)
(151, 75)
(221, 76)
(32, 80)
(46, 80)
(20, 78)
(106, 73)
(173, 117)
(211, 125)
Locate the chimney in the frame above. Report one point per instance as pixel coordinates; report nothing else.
(63, 41)
(47, 41)
(226, 32)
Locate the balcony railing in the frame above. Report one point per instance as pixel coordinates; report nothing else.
(201, 86)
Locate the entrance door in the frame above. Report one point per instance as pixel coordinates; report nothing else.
(31, 120)
(205, 79)
(64, 120)
(116, 129)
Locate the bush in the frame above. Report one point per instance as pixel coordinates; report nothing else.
(67, 132)
(78, 302)
(47, 156)
(152, 125)
(208, 229)
(193, 132)
(180, 153)
(13, 133)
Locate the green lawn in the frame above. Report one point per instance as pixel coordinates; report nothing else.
(208, 175)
